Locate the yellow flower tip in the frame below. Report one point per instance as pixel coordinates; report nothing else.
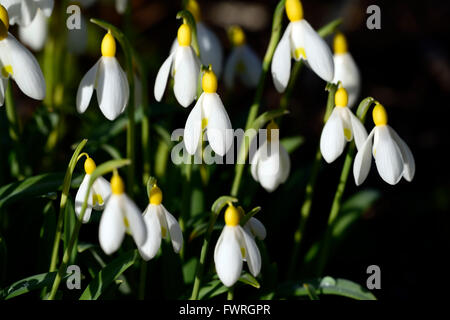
(294, 10)
(193, 7)
(340, 43)
(232, 216)
(184, 35)
(89, 166)
(271, 126)
(341, 98)
(117, 185)
(236, 35)
(379, 115)
(155, 195)
(108, 45)
(4, 25)
(209, 82)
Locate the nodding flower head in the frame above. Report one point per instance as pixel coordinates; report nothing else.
(232, 216)
(184, 35)
(156, 195)
(236, 35)
(4, 22)
(209, 81)
(341, 98)
(271, 126)
(117, 186)
(108, 45)
(193, 7)
(294, 10)
(89, 166)
(340, 43)
(379, 115)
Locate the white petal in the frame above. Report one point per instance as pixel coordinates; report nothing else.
(161, 78)
(151, 246)
(285, 163)
(257, 228)
(252, 254)
(228, 257)
(26, 70)
(112, 88)
(252, 67)
(3, 85)
(79, 199)
(211, 51)
(102, 188)
(14, 10)
(186, 69)
(269, 170)
(363, 160)
(387, 156)
(318, 54)
(135, 221)
(281, 61)
(46, 6)
(254, 160)
(358, 130)
(193, 127)
(112, 228)
(35, 34)
(176, 236)
(230, 67)
(408, 159)
(346, 71)
(219, 130)
(332, 139)
(86, 88)
(121, 6)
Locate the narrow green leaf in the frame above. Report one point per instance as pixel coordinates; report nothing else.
(220, 203)
(364, 107)
(249, 215)
(292, 143)
(247, 278)
(69, 226)
(266, 117)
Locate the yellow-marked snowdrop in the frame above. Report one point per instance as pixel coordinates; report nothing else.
(233, 246)
(393, 157)
(110, 81)
(242, 62)
(341, 126)
(18, 63)
(208, 114)
(300, 41)
(211, 51)
(99, 193)
(121, 215)
(184, 67)
(160, 224)
(345, 69)
(253, 226)
(270, 164)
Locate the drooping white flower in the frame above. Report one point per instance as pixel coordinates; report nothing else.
(345, 69)
(242, 62)
(393, 157)
(23, 12)
(270, 164)
(110, 81)
(121, 6)
(300, 41)
(35, 34)
(184, 67)
(160, 224)
(17, 62)
(341, 127)
(210, 115)
(98, 195)
(121, 215)
(233, 246)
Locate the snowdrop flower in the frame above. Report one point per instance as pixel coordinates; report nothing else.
(184, 67)
(345, 69)
(211, 51)
(23, 12)
(208, 114)
(393, 157)
(233, 246)
(120, 215)
(18, 63)
(98, 195)
(270, 165)
(35, 34)
(121, 6)
(341, 126)
(160, 223)
(110, 81)
(254, 227)
(242, 62)
(300, 41)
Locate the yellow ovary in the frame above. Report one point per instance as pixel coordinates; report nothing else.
(155, 195)
(340, 43)
(236, 35)
(184, 35)
(294, 10)
(379, 115)
(108, 45)
(341, 98)
(232, 216)
(117, 185)
(209, 82)
(89, 166)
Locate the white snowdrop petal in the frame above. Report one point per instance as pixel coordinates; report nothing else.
(318, 54)
(252, 67)
(193, 127)
(86, 88)
(254, 165)
(176, 236)
(35, 34)
(230, 67)
(112, 88)
(121, 6)
(14, 10)
(281, 61)
(135, 220)
(388, 157)
(3, 85)
(211, 51)
(153, 242)
(252, 254)
(161, 78)
(112, 228)
(269, 169)
(46, 6)
(186, 72)
(228, 257)
(79, 199)
(102, 188)
(332, 139)
(257, 228)
(219, 130)
(358, 130)
(408, 158)
(285, 162)
(363, 160)
(346, 71)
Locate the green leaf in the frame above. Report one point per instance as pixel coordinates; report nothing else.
(108, 275)
(329, 28)
(364, 107)
(212, 289)
(247, 278)
(266, 117)
(292, 143)
(221, 202)
(69, 226)
(249, 215)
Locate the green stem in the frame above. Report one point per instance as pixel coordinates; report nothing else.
(230, 295)
(286, 97)
(11, 114)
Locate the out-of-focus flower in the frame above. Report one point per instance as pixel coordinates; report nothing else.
(17, 62)
(121, 6)
(121, 215)
(208, 114)
(300, 41)
(242, 62)
(393, 157)
(110, 81)
(160, 224)
(270, 165)
(23, 12)
(345, 69)
(184, 67)
(35, 34)
(233, 246)
(341, 126)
